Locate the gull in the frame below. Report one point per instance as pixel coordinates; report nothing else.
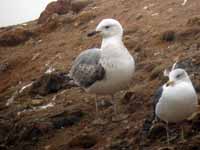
(105, 70)
(176, 100)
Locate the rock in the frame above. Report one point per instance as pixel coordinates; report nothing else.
(120, 144)
(168, 36)
(50, 83)
(60, 7)
(15, 36)
(191, 144)
(138, 16)
(157, 72)
(55, 21)
(195, 21)
(127, 97)
(83, 141)
(157, 131)
(85, 16)
(37, 130)
(37, 102)
(50, 25)
(167, 148)
(195, 119)
(66, 119)
(130, 43)
(189, 33)
(78, 5)
(28, 132)
(4, 67)
(5, 127)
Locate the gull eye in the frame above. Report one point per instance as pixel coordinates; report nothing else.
(107, 27)
(179, 75)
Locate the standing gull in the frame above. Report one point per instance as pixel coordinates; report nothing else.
(177, 99)
(107, 70)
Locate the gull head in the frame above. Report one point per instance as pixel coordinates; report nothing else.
(108, 28)
(177, 76)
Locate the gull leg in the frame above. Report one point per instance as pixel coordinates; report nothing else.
(97, 109)
(115, 105)
(117, 116)
(167, 133)
(98, 120)
(182, 134)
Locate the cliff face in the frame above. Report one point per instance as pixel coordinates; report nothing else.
(44, 113)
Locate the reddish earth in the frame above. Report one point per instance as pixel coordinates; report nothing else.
(156, 33)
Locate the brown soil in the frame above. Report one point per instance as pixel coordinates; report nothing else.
(156, 33)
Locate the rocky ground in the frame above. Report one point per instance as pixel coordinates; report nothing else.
(40, 108)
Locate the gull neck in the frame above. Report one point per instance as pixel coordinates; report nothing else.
(113, 40)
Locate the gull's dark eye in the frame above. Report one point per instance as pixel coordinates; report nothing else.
(178, 76)
(107, 27)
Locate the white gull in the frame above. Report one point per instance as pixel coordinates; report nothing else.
(107, 70)
(177, 99)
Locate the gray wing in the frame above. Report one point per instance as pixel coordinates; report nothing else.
(156, 99)
(86, 69)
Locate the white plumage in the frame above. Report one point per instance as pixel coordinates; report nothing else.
(178, 100)
(109, 69)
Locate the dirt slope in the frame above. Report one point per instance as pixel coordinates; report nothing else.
(156, 33)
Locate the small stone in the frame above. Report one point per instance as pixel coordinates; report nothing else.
(139, 16)
(37, 102)
(168, 36)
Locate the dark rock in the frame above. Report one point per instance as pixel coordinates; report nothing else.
(78, 5)
(191, 144)
(83, 141)
(15, 36)
(195, 119)
(4, 67)
(50, 83)
(5, 126)
(168, 36)
(127, 97)
(60, 7)
(157, 130)
(67, 119)
(27, 132)
(146, 126)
